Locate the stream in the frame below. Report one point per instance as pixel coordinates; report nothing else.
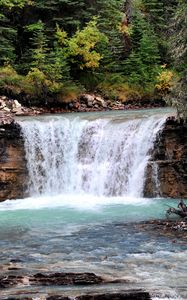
(87, 174)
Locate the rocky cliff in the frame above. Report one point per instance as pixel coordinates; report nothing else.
(13, 171)
(167, 170)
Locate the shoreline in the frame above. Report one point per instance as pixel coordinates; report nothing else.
(85, 103)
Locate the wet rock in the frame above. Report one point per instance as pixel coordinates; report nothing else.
(51, 279)
(58, 298)
(127, 295)
(13, 171)
(175, 229)
(65, 279)
(170, 157)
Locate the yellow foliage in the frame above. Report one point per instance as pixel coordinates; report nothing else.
(15, 3)
(37, 82)
(7, 70)
(124, 29)
(10, 80)
(36, 74)
(165, 81)
(61, 35)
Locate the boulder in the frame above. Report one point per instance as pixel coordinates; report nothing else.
(17, 108)
(100, 101)
(3, 105)
(87, 98)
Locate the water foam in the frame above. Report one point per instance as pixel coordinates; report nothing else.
(78, 202)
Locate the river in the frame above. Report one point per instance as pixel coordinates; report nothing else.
(86, 203)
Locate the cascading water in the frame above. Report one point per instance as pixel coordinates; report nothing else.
(99, 157)
(155, 179)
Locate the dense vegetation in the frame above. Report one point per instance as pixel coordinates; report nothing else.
(58, 48)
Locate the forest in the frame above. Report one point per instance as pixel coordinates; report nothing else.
(121, 49)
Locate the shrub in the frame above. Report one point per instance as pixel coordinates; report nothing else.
(165, 81)
(10, 81)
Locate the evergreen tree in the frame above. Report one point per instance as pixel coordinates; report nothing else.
(7, 40)
(142, 65)
(39, 45)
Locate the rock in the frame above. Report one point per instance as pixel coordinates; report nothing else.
(77, 105)
(89, 103)
(100, 101)
(87, 98)
(58, 298)
(170, 157)
(93, 100)
(173, 229)
(5, 119)
(6, 109)
(127, 295)
(51, 279)
(16, 104)
(3, 98)
(60, 279)
(3, 105)
(17, 108)
(13, 170)
(65, 279)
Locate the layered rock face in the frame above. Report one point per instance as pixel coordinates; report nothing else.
(13, 171)
(169, 163)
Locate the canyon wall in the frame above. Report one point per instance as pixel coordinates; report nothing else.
(168, 162)
(13, 170)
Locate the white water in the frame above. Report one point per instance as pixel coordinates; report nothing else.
(99, 157)
(156, 179)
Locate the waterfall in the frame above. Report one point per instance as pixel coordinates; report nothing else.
(155, 178)
(102, 157)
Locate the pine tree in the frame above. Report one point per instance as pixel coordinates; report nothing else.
(7, 40)
(143, 63)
